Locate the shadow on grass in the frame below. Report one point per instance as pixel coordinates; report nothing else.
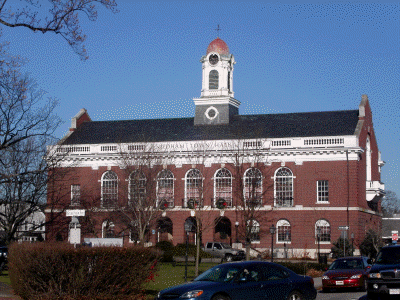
(151, 294)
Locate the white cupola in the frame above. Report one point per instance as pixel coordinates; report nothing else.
(216, 104)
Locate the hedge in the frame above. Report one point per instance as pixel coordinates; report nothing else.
(169, 251)
(303, 267)
(58, 271)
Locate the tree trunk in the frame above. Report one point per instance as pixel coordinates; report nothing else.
(196, 270)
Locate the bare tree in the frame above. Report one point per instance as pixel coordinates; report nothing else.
(390, 204)
(196, 189)
(144, 192)
(26, 172)
(58, 16)
(27, 123)
(249, 159)
(27, 119)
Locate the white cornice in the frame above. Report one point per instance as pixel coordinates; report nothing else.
(212, 100)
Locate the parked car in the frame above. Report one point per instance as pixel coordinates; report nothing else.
(3, 257)
(346, 272)
(384, 276)
(256, 280)
(224, 250)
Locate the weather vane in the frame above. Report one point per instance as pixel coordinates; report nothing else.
(218, 29)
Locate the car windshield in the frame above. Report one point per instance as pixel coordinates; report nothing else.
(346, 264)
(388, 256)
(221, 273)
(226, 246)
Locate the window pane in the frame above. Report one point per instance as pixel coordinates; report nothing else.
(253, 186)
(75, 194)
(109, 188)
(223, 186)
(284, 187)
(165, 187)
(213, 80)
(323, 191)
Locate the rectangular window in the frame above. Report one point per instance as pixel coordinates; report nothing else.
(322, 191)
(75, 194)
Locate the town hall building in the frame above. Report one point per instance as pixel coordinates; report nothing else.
(296, 181)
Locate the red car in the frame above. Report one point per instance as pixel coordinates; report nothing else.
(346, 272)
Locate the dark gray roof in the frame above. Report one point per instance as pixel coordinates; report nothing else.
(334, 123)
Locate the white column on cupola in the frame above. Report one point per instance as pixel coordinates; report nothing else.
(216, 104)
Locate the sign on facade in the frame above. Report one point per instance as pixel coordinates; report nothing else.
(75, 212)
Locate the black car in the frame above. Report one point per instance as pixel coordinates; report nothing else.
(3, 257)
(256, 280)
(384, 276)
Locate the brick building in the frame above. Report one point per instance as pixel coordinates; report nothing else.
(304, 173)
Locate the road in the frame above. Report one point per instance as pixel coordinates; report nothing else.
(342, 296)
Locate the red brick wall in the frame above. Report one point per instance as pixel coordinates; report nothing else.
(302, 222)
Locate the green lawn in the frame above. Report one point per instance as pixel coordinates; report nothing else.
(169, 276)
(5, 278)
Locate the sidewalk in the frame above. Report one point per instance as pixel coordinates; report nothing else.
(318, 283)
(6, 292)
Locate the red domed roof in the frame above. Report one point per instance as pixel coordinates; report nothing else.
(218, 46)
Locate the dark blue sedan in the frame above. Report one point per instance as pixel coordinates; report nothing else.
(254, 280)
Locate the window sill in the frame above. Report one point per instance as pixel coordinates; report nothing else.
(322, 202)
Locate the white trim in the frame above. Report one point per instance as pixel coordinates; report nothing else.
(208, 110)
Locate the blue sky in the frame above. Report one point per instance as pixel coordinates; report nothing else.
(291, 57)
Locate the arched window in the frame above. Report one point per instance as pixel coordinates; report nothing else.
(223, 187)
(193, 187)
(165, 188)
(252, 186)
(107, 229)
(284, 232)
(283, 187)
(137, 188)
(213, 80)
(109, 189)
(253, 229)
(324, 228)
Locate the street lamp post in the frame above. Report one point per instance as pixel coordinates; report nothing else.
(237, 227)
(318, 240)
(188, 228)
(352, 243)
(272, 230)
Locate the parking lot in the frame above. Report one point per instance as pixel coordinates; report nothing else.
(350, 295)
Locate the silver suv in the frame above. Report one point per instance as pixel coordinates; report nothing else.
(224, 251)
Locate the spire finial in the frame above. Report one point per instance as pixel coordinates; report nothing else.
(218, 29)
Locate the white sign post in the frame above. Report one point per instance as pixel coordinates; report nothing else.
(74, 234)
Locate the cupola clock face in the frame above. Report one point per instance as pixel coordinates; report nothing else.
(213, 59)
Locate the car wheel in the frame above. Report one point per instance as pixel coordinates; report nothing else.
(295, 296)
(228, 257)
(220, 297)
